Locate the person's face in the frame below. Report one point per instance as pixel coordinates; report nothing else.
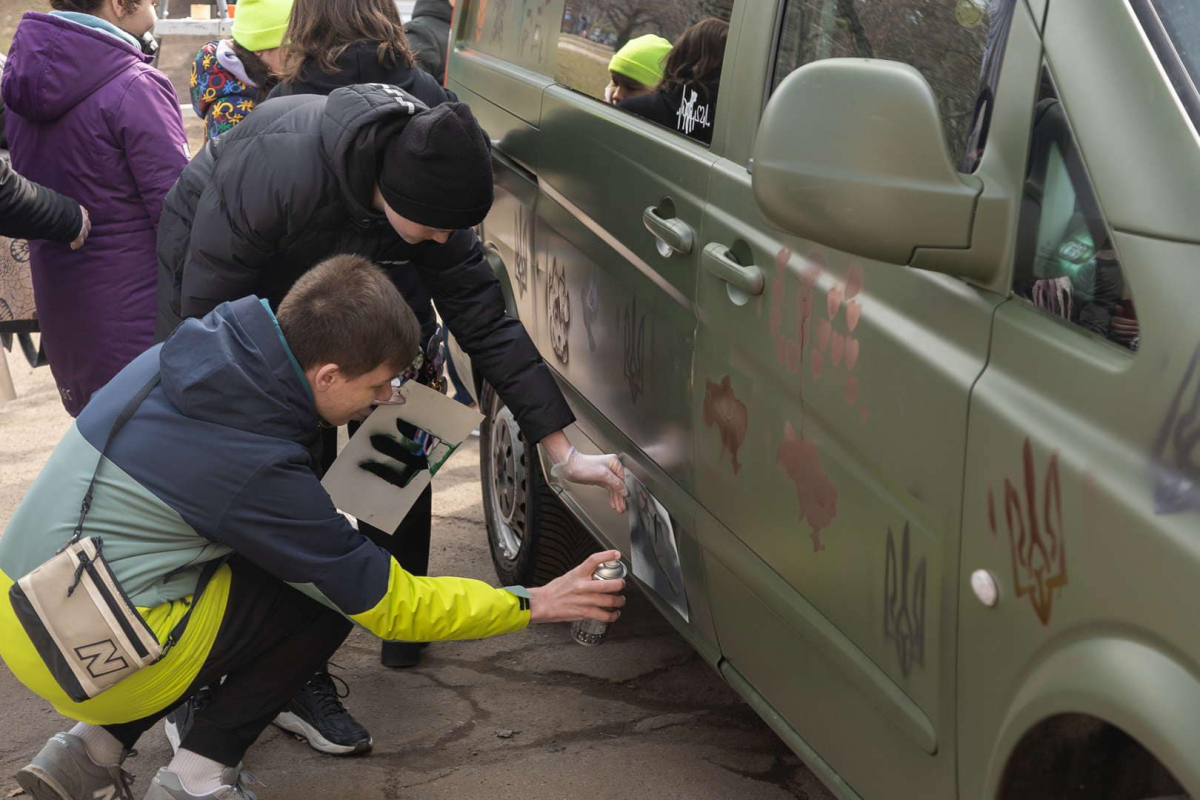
(137, 22)
(414, 232)
(622, 89)
(340, 399)
(273, 58)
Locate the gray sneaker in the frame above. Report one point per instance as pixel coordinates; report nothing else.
(63, 770)
(236, 782)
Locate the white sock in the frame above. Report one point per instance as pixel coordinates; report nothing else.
(199, 775)
(104, 748)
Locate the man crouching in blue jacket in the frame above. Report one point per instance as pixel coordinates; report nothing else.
(212, 465)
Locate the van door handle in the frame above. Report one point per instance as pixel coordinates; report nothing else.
(718, 260)
(674, 233)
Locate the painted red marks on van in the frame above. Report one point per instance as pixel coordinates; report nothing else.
(854, 281)
(851, 389)
(824, 333)
(833, 301)
(723, 409)
(790, 351)
(853, 312)
(837, 347)
(1035, 534)
(816, 492)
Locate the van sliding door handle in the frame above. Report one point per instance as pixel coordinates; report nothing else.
(718, 260)
(674, 233)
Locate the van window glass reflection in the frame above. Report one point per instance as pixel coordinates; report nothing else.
(658, 59)
(956, 45)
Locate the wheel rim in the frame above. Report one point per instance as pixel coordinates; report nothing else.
(509, 483)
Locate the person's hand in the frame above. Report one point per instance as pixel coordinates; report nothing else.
(84, 230)
(608, 93)
(576, 596)
(1125, 329)
(605, 471)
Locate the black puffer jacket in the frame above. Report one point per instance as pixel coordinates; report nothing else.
(429, 35)
(31, 211)
(359, 63)
(290, 186)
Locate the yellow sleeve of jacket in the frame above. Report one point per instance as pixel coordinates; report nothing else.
(416, 609)
(284, 521)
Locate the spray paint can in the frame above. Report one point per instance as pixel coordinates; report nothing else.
(591, 631)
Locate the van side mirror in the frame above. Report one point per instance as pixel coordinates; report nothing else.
(851, 154)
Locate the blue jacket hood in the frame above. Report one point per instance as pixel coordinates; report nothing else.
(233, 368)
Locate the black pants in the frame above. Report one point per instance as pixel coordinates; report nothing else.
(409, 545)
(271, 641)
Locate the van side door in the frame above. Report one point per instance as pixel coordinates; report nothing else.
(830, 401)
(620, 206)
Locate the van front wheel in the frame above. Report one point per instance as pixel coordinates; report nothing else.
(532, 536)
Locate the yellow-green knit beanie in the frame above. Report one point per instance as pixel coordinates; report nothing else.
(642, 59)
(260, 24)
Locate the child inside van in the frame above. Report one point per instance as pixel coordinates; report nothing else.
(686, 99)
(637, 68)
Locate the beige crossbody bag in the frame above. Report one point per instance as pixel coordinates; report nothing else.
(78, 617)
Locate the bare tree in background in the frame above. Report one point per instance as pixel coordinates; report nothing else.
(667, 18)
(630, 18)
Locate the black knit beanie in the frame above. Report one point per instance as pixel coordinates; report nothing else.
(438, 170)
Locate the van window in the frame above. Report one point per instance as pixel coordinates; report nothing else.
(519, 31)
(1066, 264)
(658, 59)
(1173, 27)
(957, 45)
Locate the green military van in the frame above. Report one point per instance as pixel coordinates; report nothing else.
(857, 291)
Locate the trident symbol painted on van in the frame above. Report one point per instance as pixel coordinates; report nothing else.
(1035, 536)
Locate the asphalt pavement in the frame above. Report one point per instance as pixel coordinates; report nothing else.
(528, 716)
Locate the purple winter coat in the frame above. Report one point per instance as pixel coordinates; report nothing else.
(90, 118)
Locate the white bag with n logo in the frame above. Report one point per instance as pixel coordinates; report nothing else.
(83, 625)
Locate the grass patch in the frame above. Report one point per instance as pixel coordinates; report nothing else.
(582, 65)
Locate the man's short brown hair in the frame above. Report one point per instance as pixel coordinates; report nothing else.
(346, 311)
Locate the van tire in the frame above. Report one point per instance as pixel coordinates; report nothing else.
(532, 535)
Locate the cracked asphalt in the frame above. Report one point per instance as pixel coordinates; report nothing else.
(531, 715)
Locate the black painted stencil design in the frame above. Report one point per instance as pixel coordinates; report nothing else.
(904, 603)
(558, 299)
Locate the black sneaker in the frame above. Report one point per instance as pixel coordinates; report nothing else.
(317, 714)
(179, 721)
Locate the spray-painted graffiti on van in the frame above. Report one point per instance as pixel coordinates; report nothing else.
(1036, 536)
(558, 301)
(634, 327)
(904, 601)
(723, 409)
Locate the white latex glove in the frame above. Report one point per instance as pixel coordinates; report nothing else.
(605, 471)
(84, 230)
